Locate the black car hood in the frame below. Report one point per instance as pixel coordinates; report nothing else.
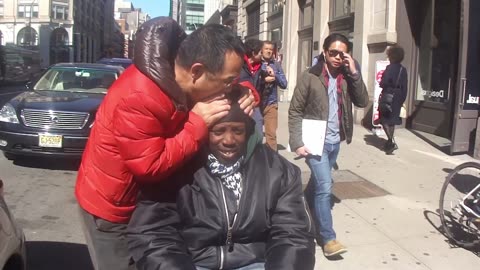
(58, 101)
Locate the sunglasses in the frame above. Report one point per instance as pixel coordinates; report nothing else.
(334, 53)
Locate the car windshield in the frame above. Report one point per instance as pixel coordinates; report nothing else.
(76, 80)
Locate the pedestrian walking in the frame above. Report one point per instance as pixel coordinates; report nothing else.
(326, 93)
(273, 77)
(250, 76)
(394, 85)
(154, 118)
(236, 205)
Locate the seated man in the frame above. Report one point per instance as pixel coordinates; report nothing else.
(237, 205)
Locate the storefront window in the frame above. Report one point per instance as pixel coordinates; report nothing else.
(438, 51)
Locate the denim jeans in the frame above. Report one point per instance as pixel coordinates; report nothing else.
(255, 266)
(321, 168)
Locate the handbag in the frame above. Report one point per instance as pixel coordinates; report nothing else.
(388, 94)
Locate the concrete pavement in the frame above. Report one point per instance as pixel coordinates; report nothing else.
(397, 231)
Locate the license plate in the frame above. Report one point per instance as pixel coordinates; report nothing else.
(53, 141)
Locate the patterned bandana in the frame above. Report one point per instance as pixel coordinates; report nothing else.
(230, 175)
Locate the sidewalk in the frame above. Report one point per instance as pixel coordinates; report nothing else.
(396, 231)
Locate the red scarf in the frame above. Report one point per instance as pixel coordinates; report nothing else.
(339, 92)
(253, 68)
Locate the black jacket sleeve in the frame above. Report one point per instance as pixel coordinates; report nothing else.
(153, 238)
(290, 242)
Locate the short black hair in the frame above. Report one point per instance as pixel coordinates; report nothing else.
(395, 54)
(336, 37)
(253, 46)
(208, 46)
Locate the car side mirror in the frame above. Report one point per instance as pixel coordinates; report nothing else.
(29, 85)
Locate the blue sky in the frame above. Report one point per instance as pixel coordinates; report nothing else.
(154, 8)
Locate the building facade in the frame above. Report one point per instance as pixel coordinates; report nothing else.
(129, 19)
(61, 30)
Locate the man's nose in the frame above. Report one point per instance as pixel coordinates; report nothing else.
(228, 139)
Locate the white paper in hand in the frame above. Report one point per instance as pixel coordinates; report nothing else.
(313, 135)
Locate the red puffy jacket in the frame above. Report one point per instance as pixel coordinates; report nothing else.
(143, 131)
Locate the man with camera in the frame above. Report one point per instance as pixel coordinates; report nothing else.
(272, 76)
(326, 93)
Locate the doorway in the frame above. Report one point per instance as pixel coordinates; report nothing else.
(445, 100)
(438, 43)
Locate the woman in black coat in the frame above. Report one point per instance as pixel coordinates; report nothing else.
(394, 79)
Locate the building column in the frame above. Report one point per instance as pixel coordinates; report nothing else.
(290, 45)
(263, 31)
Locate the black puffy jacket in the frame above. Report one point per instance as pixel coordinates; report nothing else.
(184, 223)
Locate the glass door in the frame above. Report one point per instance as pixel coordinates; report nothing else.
(468, 85)
(438, 43)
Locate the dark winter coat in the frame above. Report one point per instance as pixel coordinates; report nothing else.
(184, 223)
(389, 79)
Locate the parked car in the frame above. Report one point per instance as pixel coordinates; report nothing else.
(12, 239)
(124, 62)
(54, 117)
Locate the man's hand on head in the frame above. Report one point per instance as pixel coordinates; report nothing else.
(212, 110)
(247, 101)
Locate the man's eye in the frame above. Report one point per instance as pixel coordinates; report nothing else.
(239, 131)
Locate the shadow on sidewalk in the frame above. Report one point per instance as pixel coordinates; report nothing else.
(55, 164)
(434, 219)
(375, 141)
(43, 255)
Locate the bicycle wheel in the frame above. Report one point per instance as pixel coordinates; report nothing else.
(459, 205)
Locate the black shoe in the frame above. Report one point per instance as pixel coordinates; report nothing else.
(392, 148)
(387, 145)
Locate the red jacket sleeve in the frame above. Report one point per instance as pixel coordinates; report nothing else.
(140, 128)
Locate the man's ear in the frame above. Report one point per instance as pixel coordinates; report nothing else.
(197, 70)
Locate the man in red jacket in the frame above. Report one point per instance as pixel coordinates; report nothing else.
(153, 120)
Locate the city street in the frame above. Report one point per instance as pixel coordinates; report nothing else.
(40, 195)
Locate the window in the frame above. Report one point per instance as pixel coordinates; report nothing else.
(276, 6)
(195, 1)
(1, 8)
(59, 12)
(193, 21)
(28, 10)
(27, 36)
(306, 14)
(253, 19)
(341, 8)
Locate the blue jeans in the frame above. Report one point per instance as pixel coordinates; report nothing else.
(321, 168)
(255, 266)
